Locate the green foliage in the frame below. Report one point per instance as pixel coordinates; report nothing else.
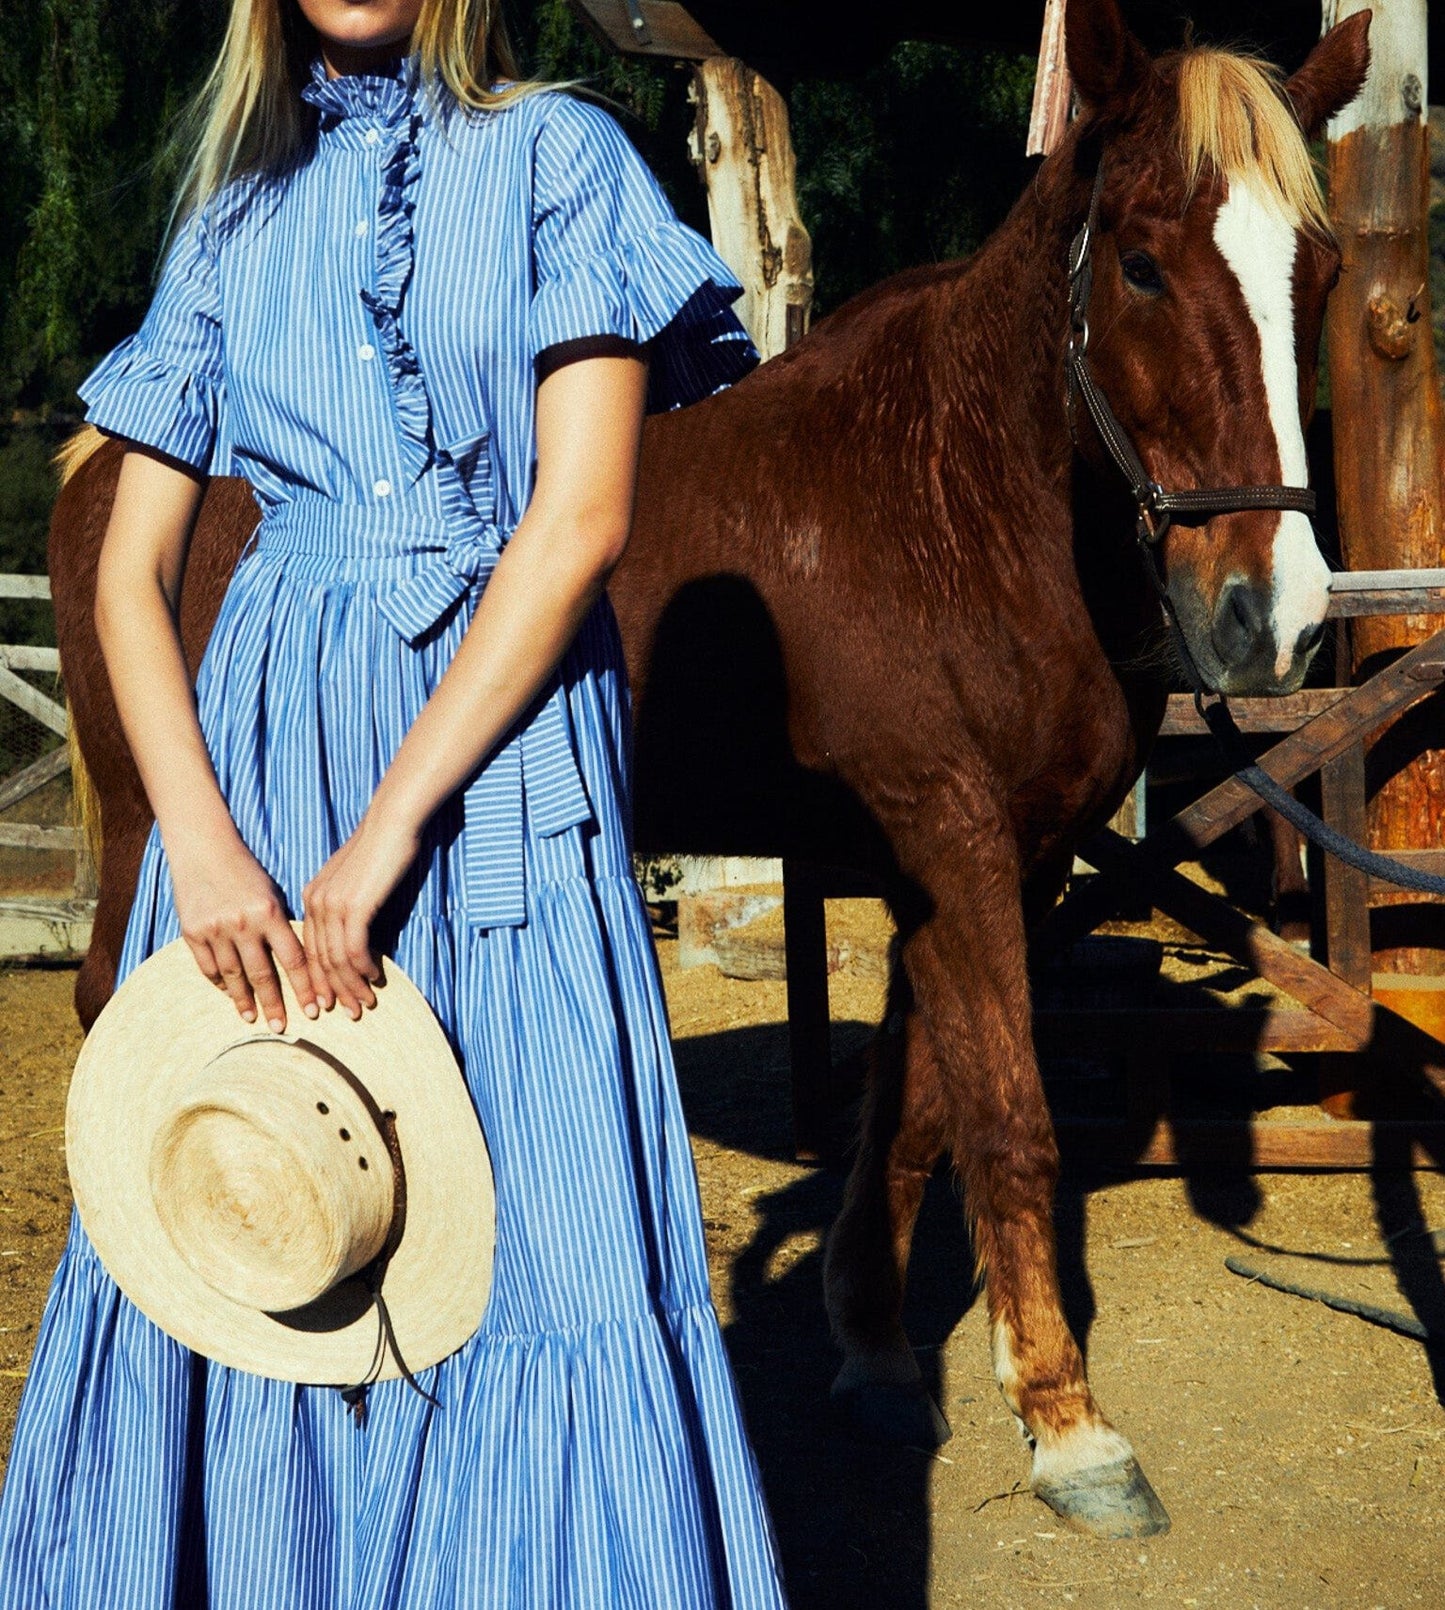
(917, 161)
(88, 90)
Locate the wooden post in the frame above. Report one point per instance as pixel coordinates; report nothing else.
(1388, 426)
(1053, 87)
(741, 142)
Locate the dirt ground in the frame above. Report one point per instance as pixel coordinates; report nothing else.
(1300, 1451)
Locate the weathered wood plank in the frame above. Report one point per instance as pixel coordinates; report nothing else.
(1222, 924)
(1161, 1031)
(21, 784)
(1389, 425)
(25, 657)
(743, 147)
(648, 28)
(1370, 581)
(1284, 714)
(1387, 601)
(33, 702)
(1259, 1144)
(1347, 912)
(27, 836)
(1347, 889)
(45, 928)
(13, 586)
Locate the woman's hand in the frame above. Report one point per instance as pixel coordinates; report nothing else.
(340, 903)
(233, 918)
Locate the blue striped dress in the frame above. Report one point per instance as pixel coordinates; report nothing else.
(357, 338)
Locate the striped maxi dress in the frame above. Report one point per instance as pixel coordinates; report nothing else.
(357, 337)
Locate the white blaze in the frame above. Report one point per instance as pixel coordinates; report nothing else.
(1259, 244)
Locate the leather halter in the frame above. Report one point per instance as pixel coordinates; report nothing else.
(1157, 508)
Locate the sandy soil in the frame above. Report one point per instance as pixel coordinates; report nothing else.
(1300, 1451)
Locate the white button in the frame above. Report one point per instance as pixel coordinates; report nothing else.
(372, 136)
(361, 228)
(365, 351)
(382, 488)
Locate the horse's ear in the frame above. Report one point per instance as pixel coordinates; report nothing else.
(1332, 75)
(1106, 61)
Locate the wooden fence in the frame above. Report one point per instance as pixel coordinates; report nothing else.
(39, 925)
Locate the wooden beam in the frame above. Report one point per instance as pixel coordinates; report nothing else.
(25, 657)
(1255, 1144)
(45, 928)
(647, 28)
(1283, 714)
(1322, 739)
(33, 702)
(742, 143)
(13, 586)
(1161, 1031)
(1389, 425)
(21, 784)
(26, 836)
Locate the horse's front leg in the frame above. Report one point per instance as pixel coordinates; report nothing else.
(966, 963)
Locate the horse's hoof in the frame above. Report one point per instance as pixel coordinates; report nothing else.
(1110, 1501)
(901, 1414)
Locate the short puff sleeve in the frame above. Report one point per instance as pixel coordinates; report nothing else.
(164, 386)
(611, 258)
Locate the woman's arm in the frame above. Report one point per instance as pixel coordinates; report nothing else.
(230, 911)
(589, 428)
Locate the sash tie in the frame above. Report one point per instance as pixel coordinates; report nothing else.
(532, 775)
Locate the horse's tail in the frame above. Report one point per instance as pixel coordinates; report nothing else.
(76, 449)
(85, 802)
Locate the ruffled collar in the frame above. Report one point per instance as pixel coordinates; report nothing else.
(385, 97)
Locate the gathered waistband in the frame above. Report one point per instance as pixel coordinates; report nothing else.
(534, 774)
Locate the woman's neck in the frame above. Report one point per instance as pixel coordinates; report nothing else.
(342, 59)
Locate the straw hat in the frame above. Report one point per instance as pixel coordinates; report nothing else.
(252, 1193)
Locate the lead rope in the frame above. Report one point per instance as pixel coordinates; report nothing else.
(1156, 508)
(354, 1397)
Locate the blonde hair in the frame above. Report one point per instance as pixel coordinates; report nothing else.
(248, 116)
(1235, 120)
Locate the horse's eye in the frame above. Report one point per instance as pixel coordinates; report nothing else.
(1142, 272)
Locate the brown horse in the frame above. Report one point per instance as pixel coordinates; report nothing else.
(880, 610)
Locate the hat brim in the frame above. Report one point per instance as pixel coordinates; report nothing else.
(160, 1028)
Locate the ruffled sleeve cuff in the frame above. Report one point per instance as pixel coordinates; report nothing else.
(132, 393)
(666, 288)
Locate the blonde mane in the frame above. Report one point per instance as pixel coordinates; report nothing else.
(1234, 121)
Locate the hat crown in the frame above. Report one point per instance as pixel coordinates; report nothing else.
(273, 1179)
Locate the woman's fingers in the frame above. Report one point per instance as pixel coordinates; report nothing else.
(265, 987)
(290, 953)
(206, 961)
(320, 984)
(233, 976)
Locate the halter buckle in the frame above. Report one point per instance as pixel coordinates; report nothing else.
(1154, 522)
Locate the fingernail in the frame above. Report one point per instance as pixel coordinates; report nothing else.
(277, 1024)
(249, 1015)
(311, 1009)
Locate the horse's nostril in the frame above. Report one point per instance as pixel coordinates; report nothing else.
(1241, 622)
(1310, 639)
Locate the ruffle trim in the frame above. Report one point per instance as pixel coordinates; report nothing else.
(666, 287)
(395, 255)
(394, 100)
(132, 393)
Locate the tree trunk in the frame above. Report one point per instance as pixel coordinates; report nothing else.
(1388, 427)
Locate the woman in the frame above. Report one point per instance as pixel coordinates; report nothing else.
(424, 317)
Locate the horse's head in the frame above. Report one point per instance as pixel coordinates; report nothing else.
(1212, 259)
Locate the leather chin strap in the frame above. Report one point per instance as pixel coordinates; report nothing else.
(1157, 509)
